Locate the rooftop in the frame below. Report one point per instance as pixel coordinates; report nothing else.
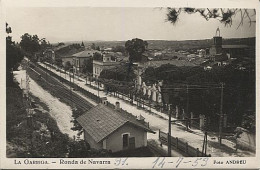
(85, 53)
(101, 121)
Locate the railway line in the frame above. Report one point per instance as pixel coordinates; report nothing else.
(57, 88)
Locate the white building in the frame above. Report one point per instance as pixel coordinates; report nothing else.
(107, 62)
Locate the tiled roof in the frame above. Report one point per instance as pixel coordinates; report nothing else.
(86, 53)
(101, 121)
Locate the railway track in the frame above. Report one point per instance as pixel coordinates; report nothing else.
(58, 89)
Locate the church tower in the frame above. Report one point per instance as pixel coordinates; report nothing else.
(82, 44)
(217, 44)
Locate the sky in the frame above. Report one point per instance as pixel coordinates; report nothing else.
(61, 24)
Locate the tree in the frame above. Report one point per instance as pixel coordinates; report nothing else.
(119, 48)
(118, 73)
(76, 126)
(204, 90)
(135, 48)
(93, 46)
(43, 44)
(88, 66)
(81, 149)
(78, 149)
(67, 66)
(97, 56)
(224, 16)
(30, 44)
(58, 62)
(60, 44)
(13, 56)
(98, 48)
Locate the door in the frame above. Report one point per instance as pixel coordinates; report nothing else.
(132, 143)
(125, 141)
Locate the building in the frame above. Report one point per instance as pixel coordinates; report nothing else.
(219, 52)
(108, 61)
(201, 52)
(110, 129)
(65, 52)
(235, 51)
(216, 48)
(49, 54)
(80, 58)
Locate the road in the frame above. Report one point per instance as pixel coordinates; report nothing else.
(158, 120)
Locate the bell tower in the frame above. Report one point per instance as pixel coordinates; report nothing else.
(217, 42)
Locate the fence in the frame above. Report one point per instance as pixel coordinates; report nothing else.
(181, 146)
(75, 86)
(90, 95)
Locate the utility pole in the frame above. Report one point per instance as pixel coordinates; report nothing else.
(98, 86)
(46, 71)
(221, 114)
(187, 109)
(169, 130)
(73, 75)
(70, 91)
(205, 142)
(60, 75)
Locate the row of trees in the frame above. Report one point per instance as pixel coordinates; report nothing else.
(201, 90)
(32, 44)
(13, 56)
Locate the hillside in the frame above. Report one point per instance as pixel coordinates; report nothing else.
(175, 45)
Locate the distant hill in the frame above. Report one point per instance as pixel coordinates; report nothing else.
(175, 45)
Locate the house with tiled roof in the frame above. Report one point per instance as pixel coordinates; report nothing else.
(112, 129)
(109, 60)
(81, 57)
(49, 54)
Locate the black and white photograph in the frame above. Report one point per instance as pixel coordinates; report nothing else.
(130, 82)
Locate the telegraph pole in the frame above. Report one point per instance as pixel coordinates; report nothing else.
(98, 86)
(169, 131)
(187, 109)
(221, 114)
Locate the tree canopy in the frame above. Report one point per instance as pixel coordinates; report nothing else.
(119, 48)
(203, 89)
(97, 56)
(13, 56)
(30, 44)
(224, 16)
(118, 73)
(118, 79)
(88, 65)
(135, 48)
(67, 66)
(76, 126)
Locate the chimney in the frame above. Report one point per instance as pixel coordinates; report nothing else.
(104, 100)
(140, 118)
(117, 107)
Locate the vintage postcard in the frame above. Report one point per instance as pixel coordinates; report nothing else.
(129, 84)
